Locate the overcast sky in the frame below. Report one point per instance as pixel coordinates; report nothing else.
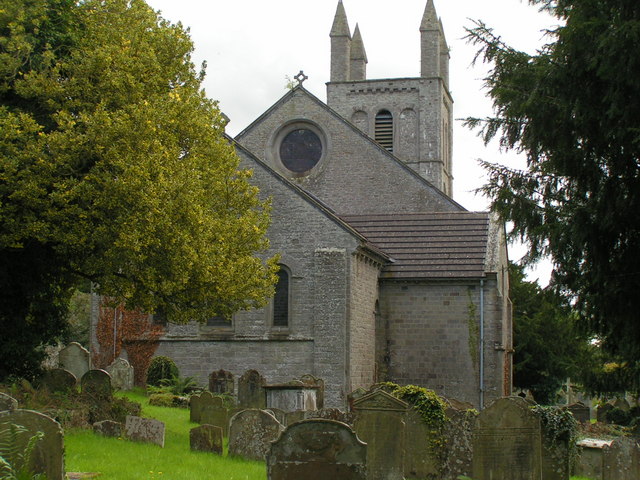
(252, 46)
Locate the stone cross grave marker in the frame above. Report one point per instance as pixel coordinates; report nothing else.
(221, 382)
(507, 442)
(121, 374)
(251, 393)
(48, 456)
(251, 433)
(317, 449)
(145, 430)
(206, 438)
(380, 424)
(75, 358)
(58, 380)
(214, 412)
(96, 383)
(7, 403)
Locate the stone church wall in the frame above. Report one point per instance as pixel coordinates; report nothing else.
(433, 337)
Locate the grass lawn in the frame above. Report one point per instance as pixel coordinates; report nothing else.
(118, 459)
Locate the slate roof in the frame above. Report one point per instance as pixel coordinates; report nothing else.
(428, 245)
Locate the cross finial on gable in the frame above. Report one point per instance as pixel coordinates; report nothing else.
(301, 77)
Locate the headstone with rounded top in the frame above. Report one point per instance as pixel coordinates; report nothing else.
(75, 358)
(251, 433)
(121, 374)
(97, 384)
(206, 438)
(380, 423)
(58, 380)
(221, 382)
(145, 430)
(195, 405)
(317, 449)
(251, 393)
(214, 412)
(48, 453)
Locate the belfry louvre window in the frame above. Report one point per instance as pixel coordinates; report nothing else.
(384, 129)
(281, 300)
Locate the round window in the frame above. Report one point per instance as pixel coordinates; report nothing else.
(300, 150)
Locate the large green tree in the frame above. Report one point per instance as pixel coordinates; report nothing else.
(114, 168)
(573, 109)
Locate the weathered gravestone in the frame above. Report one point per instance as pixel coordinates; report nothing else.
(555, 449)
(380, 424)
(96, 383)
(214, 412)
(617, 459)
(221, 382)
(108, 428)
(195, 405)
(317, 450)
(251, 433)
(121, 374)
(58, 380)
(458, 434)
(48, 454)
(206, 438)
(251, 390)
(580, 412)
(420, 459)
(293, 417)
(145, 430)
(75, 358)
(507, 442)
(332, 414)
(7, 403)
(280, 415)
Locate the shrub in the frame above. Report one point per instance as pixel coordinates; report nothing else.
(619, 417)
(161, 368)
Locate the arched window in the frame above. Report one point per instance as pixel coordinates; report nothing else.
(384, 129)
(281, 299)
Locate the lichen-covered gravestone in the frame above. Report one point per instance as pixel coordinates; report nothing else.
(380, 424)
(145, 430)
(332, 414)
(251, 393)
(58, 380)
(48, 454)
(622, 460)
(458, 434)
(251, 433)
(108, 428)
(420, 459)
(221, 382)
(75, 358)
(206, 438)
(121, 374)
(195, 405)
(214, 412)
(317, 449)
(97, 384)
(7, 403)
(507, 442)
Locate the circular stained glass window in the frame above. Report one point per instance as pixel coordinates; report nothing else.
(300, 150)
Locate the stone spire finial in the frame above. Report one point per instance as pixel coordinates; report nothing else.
(429, 18)
(358, 68)
(340, 26)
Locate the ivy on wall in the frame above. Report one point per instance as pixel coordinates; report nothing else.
(134, 331)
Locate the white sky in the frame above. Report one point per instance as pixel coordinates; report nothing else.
(251, 46)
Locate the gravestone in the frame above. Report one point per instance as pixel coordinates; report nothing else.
(622, 404)
(419, 458)
(332, 414)
(507, 442)
(58, 380)
(555, 454)
(251, 433)
(214, 412)
(458, 434)
(280, 415)
(293, 417)
(96, 383)
(121, 374)
(580, 412)
(75, 358)
(380, 424)
(590, 463)
(145, 430)
(251, 390)
(7, 403)
(206, 438)
(221, 382)
(48, 454)
(108, 428)
(622, 460)
(317, 449)
(312, 381)
(195, 405)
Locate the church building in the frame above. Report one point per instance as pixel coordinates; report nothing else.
(384, 277)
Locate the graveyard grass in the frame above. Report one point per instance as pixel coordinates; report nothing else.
(119, 459)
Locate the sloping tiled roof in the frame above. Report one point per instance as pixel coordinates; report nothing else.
(428, 245)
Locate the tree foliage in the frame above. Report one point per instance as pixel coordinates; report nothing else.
(574, 111)
(114, 168)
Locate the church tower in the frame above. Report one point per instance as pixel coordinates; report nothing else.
(409, 117)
